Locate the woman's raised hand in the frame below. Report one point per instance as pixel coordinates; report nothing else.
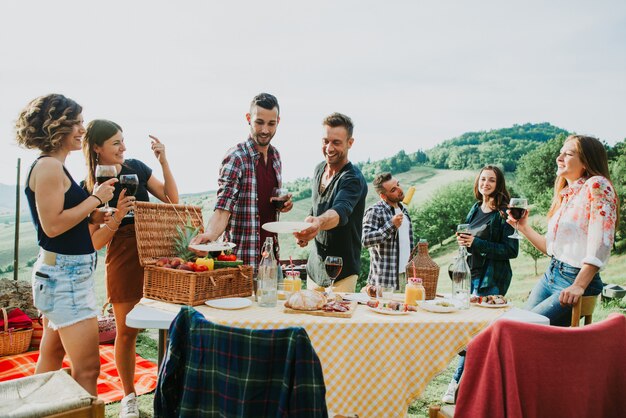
(159, 149)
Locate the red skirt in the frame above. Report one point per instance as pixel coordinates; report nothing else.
(123, 273)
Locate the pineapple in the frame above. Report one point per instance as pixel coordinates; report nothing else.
(185, 233)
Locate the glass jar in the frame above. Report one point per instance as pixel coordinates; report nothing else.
(292, 282)
(414, 291)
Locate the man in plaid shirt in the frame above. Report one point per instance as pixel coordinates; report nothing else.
(388, 234)
(249, 172)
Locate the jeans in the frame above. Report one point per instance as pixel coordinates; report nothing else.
(544, 298)
(64, 292)
(478, 292)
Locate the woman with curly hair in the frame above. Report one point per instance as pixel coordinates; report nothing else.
(581, 229)
(62, 280)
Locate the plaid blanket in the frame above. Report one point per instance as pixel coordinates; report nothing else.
(109, 385)
(217, 371)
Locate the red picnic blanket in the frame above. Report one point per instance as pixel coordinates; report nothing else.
(109, 385)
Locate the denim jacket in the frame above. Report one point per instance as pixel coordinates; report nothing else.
(497, 251)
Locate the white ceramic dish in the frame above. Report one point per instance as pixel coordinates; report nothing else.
(229, 303)
(213, 246)
(431, 306)
(493, 306)
(388, 311)
(285, 227)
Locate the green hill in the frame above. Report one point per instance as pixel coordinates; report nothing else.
(503, 147)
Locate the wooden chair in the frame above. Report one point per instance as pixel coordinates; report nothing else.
(445, 411)
(584, 308)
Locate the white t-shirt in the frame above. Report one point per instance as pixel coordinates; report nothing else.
(404, 242)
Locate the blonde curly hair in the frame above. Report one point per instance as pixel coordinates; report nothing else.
(45, 121)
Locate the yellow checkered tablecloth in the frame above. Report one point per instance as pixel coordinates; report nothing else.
(374, 365)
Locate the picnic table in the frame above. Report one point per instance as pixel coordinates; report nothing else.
(374, 365)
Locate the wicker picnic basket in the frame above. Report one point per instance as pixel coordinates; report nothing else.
(421, 265)
(13, 341)
(155, 226)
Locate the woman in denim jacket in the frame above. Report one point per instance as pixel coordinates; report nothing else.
(489, 246)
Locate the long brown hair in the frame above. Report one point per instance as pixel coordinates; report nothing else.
(594, 158)
(98, 132)
(501, 195)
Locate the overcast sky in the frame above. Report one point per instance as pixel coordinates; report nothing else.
(410, 73)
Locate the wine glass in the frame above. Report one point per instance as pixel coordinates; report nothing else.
(280, 195)
(333, 267)
(517, 209)
(105, 173)
(463, 229)
(130, 182)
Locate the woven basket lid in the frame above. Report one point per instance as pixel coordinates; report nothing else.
(155, 227)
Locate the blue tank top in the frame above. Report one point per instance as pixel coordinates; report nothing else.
(74, 241)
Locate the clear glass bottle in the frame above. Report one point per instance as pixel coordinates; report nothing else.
(267, 277)
(461, 277)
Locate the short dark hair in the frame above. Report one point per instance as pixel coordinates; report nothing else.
(379, 180)
(336, 119)
(266, 101)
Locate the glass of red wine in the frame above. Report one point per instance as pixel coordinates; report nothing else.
(333, 265)
(130, 182)
(279, 197)
(517, 209)
(105, 173)
(463, 229)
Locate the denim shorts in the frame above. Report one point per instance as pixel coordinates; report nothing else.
(64, 293)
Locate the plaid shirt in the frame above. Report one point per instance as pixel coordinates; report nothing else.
(237, 194)
(380, 237)
(212, 370)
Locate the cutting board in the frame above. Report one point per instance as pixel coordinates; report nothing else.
(346, 314)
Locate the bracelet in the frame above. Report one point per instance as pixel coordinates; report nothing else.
(111, 229)
(99, 200)
(116, 221)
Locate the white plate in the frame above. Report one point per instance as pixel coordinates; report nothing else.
(229, 303)
(361, 298)
(491, 305)
(431, 306)
(213, 246)
(388, 311)
(285, 227)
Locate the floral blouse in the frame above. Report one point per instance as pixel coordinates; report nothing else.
(582, 230)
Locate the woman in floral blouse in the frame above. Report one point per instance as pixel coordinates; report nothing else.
(581, 229)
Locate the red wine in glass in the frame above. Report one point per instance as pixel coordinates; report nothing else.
(279, 202)
(517, 213)
(333, 270)
(131, 183)
(517, 209)
(105, 173)
(279, 197)
(102, 179)
(333, 266)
